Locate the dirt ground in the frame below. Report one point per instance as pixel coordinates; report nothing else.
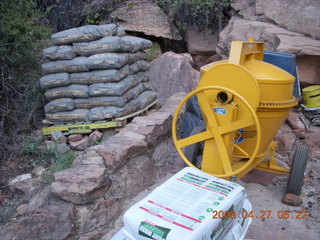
(266, 197)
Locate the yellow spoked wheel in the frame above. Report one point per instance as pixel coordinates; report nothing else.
(215, 132)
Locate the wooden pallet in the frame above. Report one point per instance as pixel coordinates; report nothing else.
(88, 127)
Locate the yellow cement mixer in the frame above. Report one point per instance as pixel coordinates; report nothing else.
(243, 101)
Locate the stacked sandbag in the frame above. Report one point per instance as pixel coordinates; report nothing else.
(93, 73)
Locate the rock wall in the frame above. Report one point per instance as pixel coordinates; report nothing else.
(287, 26)
(83, 201)
(95, 73)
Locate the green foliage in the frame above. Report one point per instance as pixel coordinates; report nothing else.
(201, 14)
(20, 36)
(45, 156)
(153, 52)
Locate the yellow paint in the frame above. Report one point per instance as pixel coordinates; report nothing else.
(80, 128)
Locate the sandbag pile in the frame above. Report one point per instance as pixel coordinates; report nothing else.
(95, 73)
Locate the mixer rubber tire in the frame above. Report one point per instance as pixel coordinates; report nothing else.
(192, 151)
(297, 170)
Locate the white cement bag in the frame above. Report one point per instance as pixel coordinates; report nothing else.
(77, 115)
(107, 60)
(55, 80)
(71, 91)
(59, 105)
(134, 44)
(83, 34)
(64, 52)
(184, 208)
(103, 45)
(77, 64)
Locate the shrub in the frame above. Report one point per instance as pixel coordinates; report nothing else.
(21, 39)
(201, 14)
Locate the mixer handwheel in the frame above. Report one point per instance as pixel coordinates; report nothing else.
(214, 132)
(192, 151)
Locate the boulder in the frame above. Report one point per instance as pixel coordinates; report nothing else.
(80, 184)
(22, 209)
(172, 73)
(294, 15)
(203, 42)
(145, 17)
(95, 136)
(99, 215)
(81, 144)
(39, 200)
(295, 121)
(309, 70)
(276, 39)
(292, 199)
(313, 143)
(75, 137)
(52, 222)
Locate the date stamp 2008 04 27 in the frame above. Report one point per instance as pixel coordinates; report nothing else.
(264, 214)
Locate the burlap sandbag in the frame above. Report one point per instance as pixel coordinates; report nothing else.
(120, 32)
(59, 105)
(77, 115)
(133, 57)
(110, 75)
(83, 34)
(55, 80)
(63, 52)
(108, 44)
(116, 101)
(114, 89)
(142, 101)
(71, 91)
(107, 60)
(77, 64)
(134, 44)
(96, 76)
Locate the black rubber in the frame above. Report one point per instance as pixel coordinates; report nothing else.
(192, 151)
(298, 169)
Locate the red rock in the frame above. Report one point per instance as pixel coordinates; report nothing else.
(53, 222)
(260, 177)
(179, 75)
(80, 184)
(75, 137)
(22, 209)
(59, 137)
(4, 197)
(81, 145)
(213, 58)
(295, 121)
(91, 218)
(95, 136)
(119, 149)
(286, 141)
(203, 43)
(313, 142)
(292, 199)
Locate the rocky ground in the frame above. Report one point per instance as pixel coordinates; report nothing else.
(265, 192)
